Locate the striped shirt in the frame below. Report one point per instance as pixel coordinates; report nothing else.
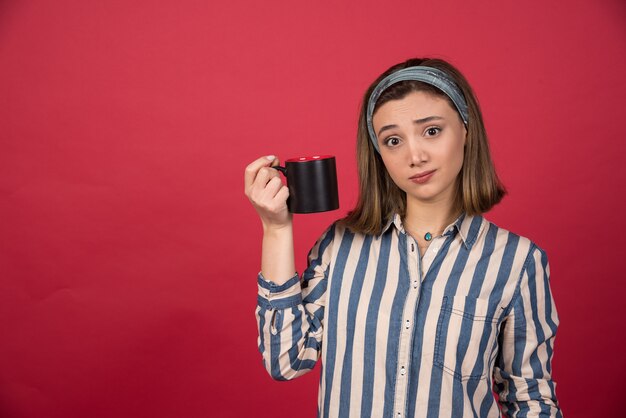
(404, 335)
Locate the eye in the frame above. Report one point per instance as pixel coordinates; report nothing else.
(392, 141)
(432, 131)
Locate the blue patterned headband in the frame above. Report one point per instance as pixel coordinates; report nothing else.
(428, 75)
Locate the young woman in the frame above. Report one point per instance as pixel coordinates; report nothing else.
(415, 303)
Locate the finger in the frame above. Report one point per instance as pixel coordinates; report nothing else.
(264, 176)
(258, 193)
(277, 202)
(254, 167)
(273, 186)
(252, 170)
(275, 162)
(283, 194)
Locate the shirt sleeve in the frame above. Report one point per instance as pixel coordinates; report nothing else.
(523, 370)
(290, 317)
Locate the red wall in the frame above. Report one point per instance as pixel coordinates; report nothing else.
(128, 252)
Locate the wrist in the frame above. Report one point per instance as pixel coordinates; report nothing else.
(278, 229)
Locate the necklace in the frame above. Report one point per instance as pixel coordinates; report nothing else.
(428, 236)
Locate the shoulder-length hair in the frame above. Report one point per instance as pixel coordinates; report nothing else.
(478, 186)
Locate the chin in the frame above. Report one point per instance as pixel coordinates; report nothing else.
(423, 197)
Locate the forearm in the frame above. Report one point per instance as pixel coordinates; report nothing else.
(277, 259)
(289, 338)
(290, 315)
(523, 372)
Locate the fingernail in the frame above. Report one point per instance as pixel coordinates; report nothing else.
(271, 157)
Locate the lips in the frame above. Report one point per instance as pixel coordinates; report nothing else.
(422, 177)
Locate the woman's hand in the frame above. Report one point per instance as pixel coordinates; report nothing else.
(267, 193)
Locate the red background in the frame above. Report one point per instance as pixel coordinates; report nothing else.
(128, 252)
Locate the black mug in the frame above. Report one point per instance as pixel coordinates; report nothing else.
(312, 183)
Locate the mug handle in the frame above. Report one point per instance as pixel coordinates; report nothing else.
(281, 169)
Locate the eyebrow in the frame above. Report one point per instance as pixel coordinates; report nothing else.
(416, 122)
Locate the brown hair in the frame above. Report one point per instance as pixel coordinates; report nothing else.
(478, 186)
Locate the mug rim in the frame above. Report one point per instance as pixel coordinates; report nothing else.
(309, 158)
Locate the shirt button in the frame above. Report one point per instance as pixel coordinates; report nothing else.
(414, 284)
(407, 324)
(402, 371)
(435, 249)
(399, 415)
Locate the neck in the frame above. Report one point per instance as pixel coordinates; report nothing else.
(430, 217)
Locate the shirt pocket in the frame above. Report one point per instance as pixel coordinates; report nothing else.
(466, 337)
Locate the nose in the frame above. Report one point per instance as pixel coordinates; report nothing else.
(417, 153)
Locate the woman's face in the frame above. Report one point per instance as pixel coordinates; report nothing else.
(421, 140)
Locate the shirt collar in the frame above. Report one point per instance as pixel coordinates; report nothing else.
(468, 227)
